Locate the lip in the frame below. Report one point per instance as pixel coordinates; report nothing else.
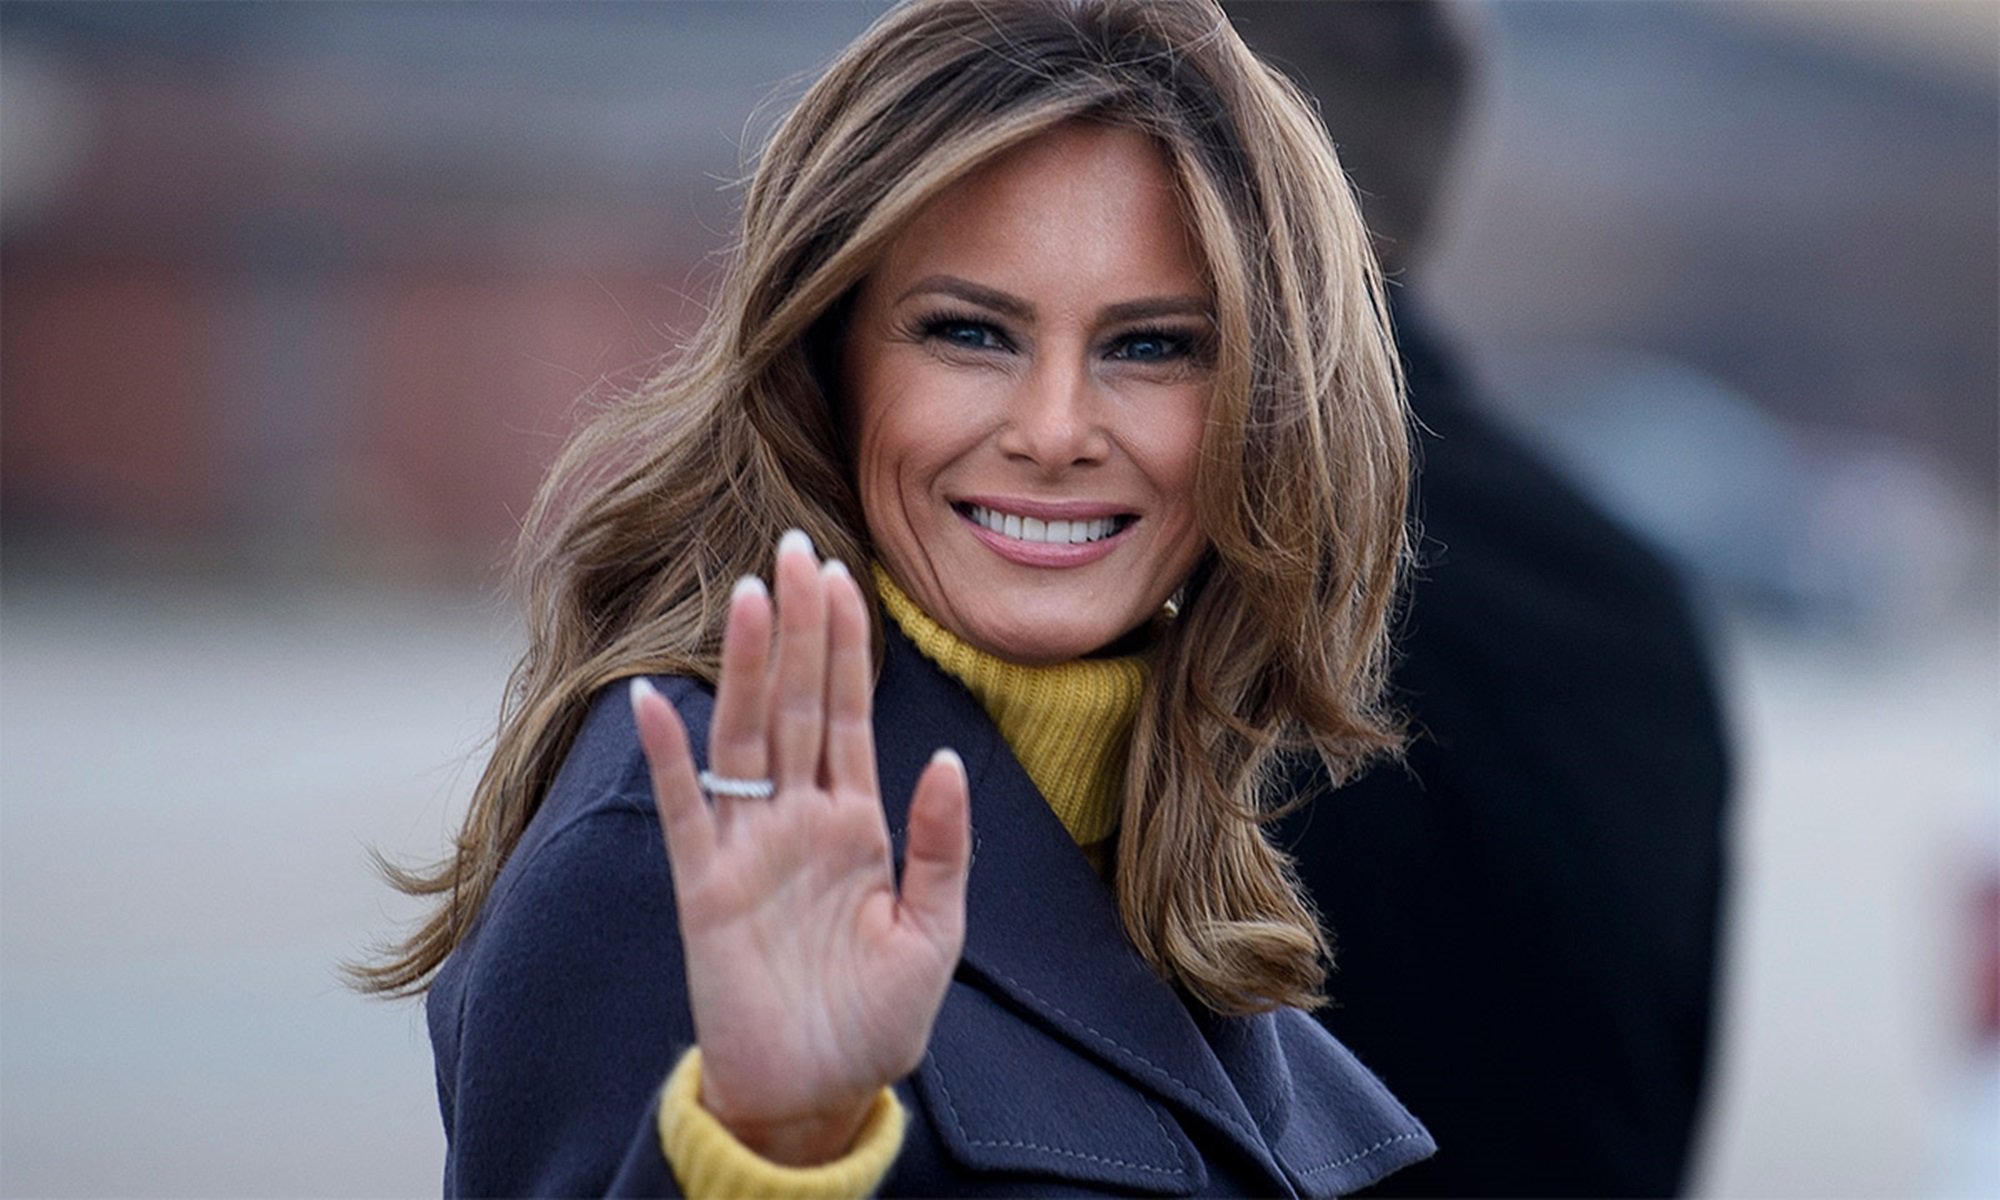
(1046, 554)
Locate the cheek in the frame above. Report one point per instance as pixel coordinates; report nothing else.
(877, 469)
(914, 418)
(1171, 450)
(897, 451)
(870, 386)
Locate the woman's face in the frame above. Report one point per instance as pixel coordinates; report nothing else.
(1026, 374)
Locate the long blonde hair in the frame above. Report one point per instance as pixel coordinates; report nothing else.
(654, 509)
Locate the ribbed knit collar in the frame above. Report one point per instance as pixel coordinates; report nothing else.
(1069, 724)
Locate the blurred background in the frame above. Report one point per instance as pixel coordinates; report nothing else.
(297, 300)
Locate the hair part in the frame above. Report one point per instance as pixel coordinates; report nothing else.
(653, 510)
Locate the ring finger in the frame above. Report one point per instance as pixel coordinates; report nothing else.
(738, 737)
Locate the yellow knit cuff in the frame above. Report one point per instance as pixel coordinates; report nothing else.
(709, 1161)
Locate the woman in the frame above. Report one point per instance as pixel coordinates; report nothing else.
(1060, 319)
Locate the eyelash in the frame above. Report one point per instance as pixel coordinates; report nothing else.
(934, 327)
(1185, 347)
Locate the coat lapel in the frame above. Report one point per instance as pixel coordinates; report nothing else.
(1343, 1130)
(1045, 952)
(1043, 934)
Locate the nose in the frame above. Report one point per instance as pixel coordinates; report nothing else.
(1054, 418)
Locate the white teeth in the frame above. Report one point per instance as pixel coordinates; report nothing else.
(1034, 529)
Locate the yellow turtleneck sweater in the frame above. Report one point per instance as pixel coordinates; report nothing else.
(1069, 725)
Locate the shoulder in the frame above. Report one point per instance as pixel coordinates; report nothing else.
(557, 1017)
(590, 863)
(605, 769)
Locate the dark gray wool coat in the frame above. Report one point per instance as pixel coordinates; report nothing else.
(1060, 1064)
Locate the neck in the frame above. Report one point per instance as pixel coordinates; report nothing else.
(1069, 724)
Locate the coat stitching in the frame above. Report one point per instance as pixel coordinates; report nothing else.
(1220, 1116)
(1165, 1136)
(1265, 1118)
(1360, 1154)
(958, 1124)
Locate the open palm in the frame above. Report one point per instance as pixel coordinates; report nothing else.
(812, 980)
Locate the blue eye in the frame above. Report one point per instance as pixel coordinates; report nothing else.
(964, 334)
(1152, 346)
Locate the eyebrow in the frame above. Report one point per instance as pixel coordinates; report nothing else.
(1164, 306)
(1020, 310)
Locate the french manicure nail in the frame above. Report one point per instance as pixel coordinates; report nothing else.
(945, 754)
(641, 688)
(794, 541)
(834, 567)
(749, 585)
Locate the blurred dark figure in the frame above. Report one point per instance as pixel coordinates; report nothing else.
(1526, 911)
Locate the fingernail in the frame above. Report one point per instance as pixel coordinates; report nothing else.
(749, 585)
(794, 541)
(946, 754)
(641, 688)
(834, 567)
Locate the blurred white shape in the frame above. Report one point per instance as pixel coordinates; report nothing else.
(46, 126)
(1895, 541)
(1971, 1169)
(1864, 769)
(1827, 529)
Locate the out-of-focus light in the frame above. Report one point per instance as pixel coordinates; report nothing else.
(45, 131)
(1939, 38)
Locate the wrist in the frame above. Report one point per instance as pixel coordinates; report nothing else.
(708, 1160)
(792, 1140)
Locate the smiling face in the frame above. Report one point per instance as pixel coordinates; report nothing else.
(1026, 374)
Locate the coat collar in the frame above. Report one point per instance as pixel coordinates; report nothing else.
(1043, 937)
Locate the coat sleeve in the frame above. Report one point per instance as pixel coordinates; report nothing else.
(574, 1011)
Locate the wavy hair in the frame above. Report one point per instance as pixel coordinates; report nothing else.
(655, 508)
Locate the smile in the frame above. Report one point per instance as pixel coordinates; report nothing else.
(1034, 529)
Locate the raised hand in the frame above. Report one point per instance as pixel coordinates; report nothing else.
(812, 980)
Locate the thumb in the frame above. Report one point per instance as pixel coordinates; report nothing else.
(939, 855)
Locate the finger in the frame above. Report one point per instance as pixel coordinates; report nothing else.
(798, 700)
(850, 733)
(939, 855)
(739, 736)
(685, 822)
